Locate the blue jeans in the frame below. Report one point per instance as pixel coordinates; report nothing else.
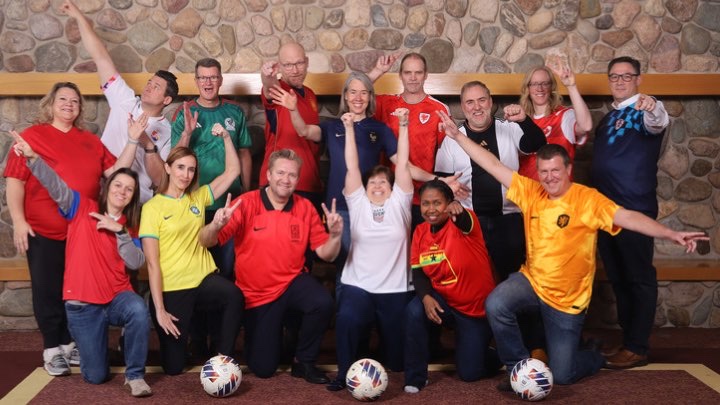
(473, 358)
(515, 296)
(357, 311)
(89, 327)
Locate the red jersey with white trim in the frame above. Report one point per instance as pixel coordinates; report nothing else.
(559, 129)
(285, 137)
(97, 274)
(457, 264)
(77, 156)
(423, 131)
(270, 244)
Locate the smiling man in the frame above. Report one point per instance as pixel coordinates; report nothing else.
(625, 154)
(561, 220)
(192, 127)
(505, 138)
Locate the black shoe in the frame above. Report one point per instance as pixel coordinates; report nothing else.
(309, 372)
(504, 384)
(335, 385)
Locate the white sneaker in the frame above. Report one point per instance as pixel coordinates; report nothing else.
(57, 365)
(71, 353)
(138, 387)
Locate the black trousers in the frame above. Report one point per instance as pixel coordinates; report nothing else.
(264, 325)
(216, 295)
(46, 260)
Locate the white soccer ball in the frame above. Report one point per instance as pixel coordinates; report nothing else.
(366, 380)
(531, 379)
(220, 376)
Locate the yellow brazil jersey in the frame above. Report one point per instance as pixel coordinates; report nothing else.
(175, 223)
(561, 237)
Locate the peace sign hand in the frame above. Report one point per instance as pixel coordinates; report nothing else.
(223, 215)
(333, 220)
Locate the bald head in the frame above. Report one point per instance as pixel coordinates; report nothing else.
(293, 64)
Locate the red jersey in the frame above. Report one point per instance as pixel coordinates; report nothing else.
(94, 271)
(457, 264)
(77, 156)
(285, 137)
(423, 131)
(559, 129)
(270, 244)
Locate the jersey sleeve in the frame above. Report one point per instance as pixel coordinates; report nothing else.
(118, 93)
(389, 141)
(107, 158)
(149, 221)
(16, 167)
(599, 212)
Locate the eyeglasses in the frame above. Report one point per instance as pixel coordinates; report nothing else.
(212, 79)
(296, 65)
(626, 77)
(544, 85)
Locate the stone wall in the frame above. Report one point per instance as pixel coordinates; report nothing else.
(456, 36)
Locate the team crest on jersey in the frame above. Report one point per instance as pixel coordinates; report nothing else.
(154, 135)
(195, 210)
(294, 232)
(424, 118)
(563, 220)
(619, 124)
(373, 137)
(229, 124)
(548, 130)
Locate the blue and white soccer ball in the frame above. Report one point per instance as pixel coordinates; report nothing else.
(366, 380)
(531, 379)
(220, 376)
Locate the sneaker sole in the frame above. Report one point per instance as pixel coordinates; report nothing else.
(56, 373)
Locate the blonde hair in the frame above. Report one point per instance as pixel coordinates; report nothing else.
(45, 113)
(554, 100)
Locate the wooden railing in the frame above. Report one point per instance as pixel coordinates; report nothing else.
(242, 84)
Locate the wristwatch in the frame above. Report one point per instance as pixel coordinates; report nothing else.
(154, 149)
(123, 231)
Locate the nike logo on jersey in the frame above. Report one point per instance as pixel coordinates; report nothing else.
(167, 217)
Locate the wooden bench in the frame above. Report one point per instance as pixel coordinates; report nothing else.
(667, 270)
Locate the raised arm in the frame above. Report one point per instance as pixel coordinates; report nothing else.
(403, 178)
(92, 43)
(189, 121)
(288, 99)
(221, 183)
(477, 153)
(330, 249)
(353, 177)
(135, 129)
(268, 76)
(382, 66)
(638, 222)
(56, 187)
(583, 119)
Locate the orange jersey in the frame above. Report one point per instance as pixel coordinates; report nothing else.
(561, 236)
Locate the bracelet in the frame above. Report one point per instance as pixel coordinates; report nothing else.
(133, 141)
(154, 149)
(404, 124)
(123, 231)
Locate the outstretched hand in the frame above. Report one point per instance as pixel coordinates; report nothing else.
(136, 128)
(514, 113)
(70, 9)
(563, 72)
(105, 221)
(385, 62)
(270, 69)
(223, 215)
(689, 239)
(447, 125)
(281, 97)
(333, 220)
(21, 147)
(189, 118)
(645, 103)
(460, 190)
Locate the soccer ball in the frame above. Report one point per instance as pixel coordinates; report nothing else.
(366, 380)
(531, 379)
(220, 376)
